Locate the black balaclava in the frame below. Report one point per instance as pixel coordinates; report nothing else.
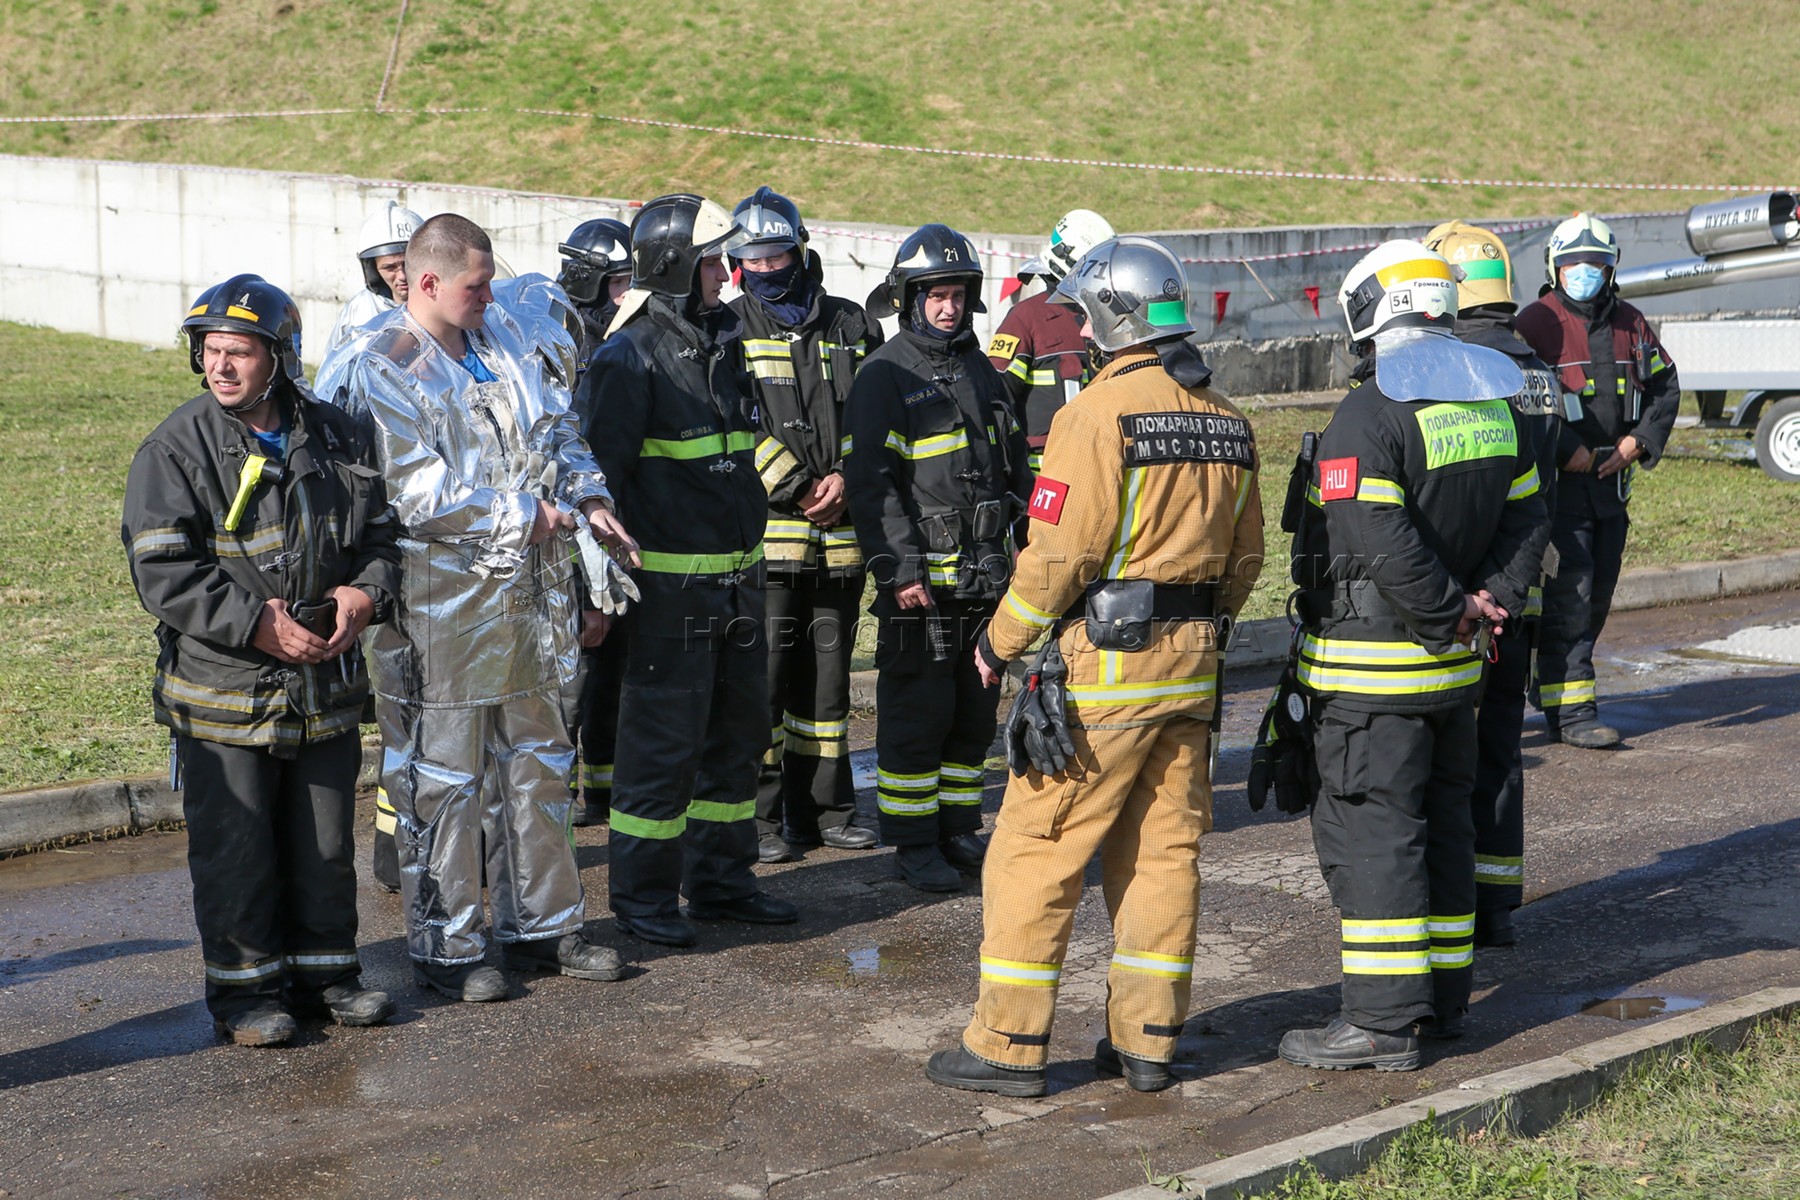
(915, 314)
(787, 293)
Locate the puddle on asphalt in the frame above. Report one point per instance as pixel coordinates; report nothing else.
(90, 862)
(871, 961)
(1638, 1008)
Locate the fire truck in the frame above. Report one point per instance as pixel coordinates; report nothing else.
(1757, 237)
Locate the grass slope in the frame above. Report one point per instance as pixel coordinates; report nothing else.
(1623, 90)
(75, 667)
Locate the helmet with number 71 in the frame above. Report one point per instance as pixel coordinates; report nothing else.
(1131, 289)
(1398, 285)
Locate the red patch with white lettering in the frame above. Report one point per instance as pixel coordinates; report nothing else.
(1337, 479)
(1047, 498)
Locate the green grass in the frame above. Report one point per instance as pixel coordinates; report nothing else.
(1425, 87)
(1700, 1123)
(75, 670)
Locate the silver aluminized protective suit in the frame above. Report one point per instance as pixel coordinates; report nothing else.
(360, 310)
(468, 672)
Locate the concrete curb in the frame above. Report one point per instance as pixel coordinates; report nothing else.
(1528, 1099)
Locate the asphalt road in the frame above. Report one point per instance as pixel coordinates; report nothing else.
(787, 1063)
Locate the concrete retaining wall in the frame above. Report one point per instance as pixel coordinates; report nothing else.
(118, 249)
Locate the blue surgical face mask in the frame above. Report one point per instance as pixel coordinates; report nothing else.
(1582, 281)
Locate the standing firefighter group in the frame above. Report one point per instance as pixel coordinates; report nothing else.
(595, 549)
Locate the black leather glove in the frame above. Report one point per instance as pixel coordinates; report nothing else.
(1037, 725)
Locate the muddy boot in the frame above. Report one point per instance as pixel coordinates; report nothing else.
(1588, 735)
(344, 1003)
(571, 954)
(1341, 1046)
(472, 983)
(265, 1025)
(959, 1069)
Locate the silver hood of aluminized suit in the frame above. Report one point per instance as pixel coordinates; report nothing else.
(358, 311)
(482, 615)
(1431, 364)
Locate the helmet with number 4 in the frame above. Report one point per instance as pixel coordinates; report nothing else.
(246, 304)
(1398, 285)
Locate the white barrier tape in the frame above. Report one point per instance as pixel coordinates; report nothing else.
(992, 155)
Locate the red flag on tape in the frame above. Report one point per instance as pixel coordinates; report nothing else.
(1312, 294)
(1219, 299)
(1010, 286)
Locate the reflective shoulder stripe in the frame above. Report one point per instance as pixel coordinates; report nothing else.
(1243, 496)
(1525, 485)
(1372, 490)
(1020, 367)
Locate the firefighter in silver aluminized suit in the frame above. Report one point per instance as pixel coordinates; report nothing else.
(486, 471)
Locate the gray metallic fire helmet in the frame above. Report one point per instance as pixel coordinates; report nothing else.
(930, 254)
(596, 251)
(246, 304)
(1398, 285)
(1131, 289)
(669, 237)
(385, 232)
(773, 223)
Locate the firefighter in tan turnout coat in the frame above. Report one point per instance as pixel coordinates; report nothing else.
(1146, 536)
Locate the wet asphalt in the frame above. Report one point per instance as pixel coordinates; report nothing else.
(787, 1062)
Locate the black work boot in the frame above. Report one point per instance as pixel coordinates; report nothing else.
(1587, 735)
(588, 814)
(671, 929)
(965, 852)
(924, 868)
(772, 848)
(472, 982)
(1495, 929)
(959, 1069)
(348, 1003)
(571, 954)
(1441, 1029)
(1340, 1046)
(758, 908)
(848, 837)
(1142, 1074)
(265, 1025)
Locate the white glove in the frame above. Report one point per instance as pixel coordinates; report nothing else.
(610, 589)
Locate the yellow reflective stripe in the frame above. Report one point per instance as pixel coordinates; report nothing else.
(165, 538)
(1143, 962)
(899, 779)
(1020, 368)
(1380, 491)
(1027, 613)
(960, 771)
(1499, 868)
(1043, 377)
(1312, 496)
(1525, 485)
(1387, 962)
(845, 445)
(1534, 602)
(1384, 929)
(771, 368)
(814, 729)
(707, 445)
(1414, 268)
(597, 775)
(644, 827)
(943, 568)
(1372, 653)
(766, 348)
(1388, 683)
(719, 811)
(1104, 695)
(1450, 925)
(786, 528)
(1020, 974)
(699, 564)
(1451, 958)
(1243, 495)
(961, 783)
(173, 687)
(928, 447)
(262, 540)
(894, 806)
(1576, 691)
(1131, 495)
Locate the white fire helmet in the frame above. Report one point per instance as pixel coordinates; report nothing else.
(386, 232)
(1079, 231)
(1398, 285)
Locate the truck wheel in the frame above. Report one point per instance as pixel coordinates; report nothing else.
(1778, 440)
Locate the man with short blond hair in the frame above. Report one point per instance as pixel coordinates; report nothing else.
(485, 466)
